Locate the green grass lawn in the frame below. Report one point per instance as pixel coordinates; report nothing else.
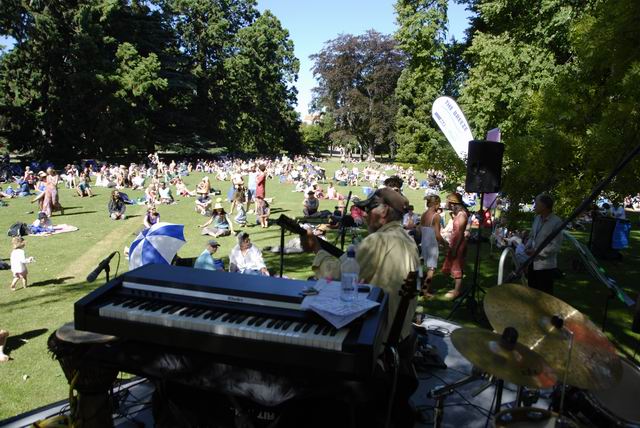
(57, 279)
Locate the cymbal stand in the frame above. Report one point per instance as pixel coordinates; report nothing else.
(343, 227)
(559, 324)
(499, 389)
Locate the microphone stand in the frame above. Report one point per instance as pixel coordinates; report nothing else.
(472, 294)
(282, 250)
(343, 229)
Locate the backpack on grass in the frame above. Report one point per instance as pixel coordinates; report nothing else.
(18, 229)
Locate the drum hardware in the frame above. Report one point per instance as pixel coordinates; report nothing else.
(491, 381)
(595, 362)
(558, 323)
(504, 357)
(439, 393)
(613, 407)
(526, 397)
(531, 417)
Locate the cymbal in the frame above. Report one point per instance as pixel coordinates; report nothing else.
(514, 362)
(594, 361)
(68, 333)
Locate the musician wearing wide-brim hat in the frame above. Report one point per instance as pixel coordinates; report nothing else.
(386, 257)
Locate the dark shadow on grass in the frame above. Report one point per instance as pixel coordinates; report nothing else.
(294, 264)
(23, 299)
(279, 210)
(79, 212)
(15, 342)
(55, 281)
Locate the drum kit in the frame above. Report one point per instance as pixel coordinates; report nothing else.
(544, 342)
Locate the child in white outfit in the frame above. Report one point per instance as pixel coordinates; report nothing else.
(19, 262)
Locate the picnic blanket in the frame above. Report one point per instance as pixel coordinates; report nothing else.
(54, 230)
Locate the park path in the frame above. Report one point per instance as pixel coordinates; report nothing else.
(110, 242)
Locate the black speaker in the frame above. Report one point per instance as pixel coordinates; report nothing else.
(484, 166)
(602, 236)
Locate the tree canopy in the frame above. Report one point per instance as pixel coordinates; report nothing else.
(357, 77)
(95, 77)
(428, 73)
(560, 78)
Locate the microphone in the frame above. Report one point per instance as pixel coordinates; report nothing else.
(102, 266)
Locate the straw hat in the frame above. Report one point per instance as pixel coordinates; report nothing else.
(454, 198)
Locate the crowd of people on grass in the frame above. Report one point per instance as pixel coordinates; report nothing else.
(438, 226)
(246, 195)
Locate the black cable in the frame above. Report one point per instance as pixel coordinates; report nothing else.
(480, 409)
(493, 400)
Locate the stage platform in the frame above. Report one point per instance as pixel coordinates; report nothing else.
(462, 408)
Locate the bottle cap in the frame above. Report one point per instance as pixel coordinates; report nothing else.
(351, 251)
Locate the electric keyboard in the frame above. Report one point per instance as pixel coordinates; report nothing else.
(247, 320)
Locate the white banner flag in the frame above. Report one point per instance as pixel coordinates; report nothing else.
(453, 124)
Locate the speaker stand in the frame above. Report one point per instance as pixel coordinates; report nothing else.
(471, 296)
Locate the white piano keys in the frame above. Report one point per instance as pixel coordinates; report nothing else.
(225, 324)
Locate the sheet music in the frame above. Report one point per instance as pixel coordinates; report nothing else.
(328, 305)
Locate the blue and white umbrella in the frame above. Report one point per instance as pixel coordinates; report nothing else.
(156, 245)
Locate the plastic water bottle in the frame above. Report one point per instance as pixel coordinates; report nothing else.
(350, 273)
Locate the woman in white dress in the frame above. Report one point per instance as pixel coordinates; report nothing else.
(430, 224)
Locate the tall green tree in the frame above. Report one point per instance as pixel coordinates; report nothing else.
(96, 77)
(206, 31)
(261, 75)
(518, 52)
(587, 118)
(517, 47)
(316, 136)
(357, 77)
(422, 36)
(64, 83)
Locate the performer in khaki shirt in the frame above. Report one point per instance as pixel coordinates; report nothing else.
(385, 256)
